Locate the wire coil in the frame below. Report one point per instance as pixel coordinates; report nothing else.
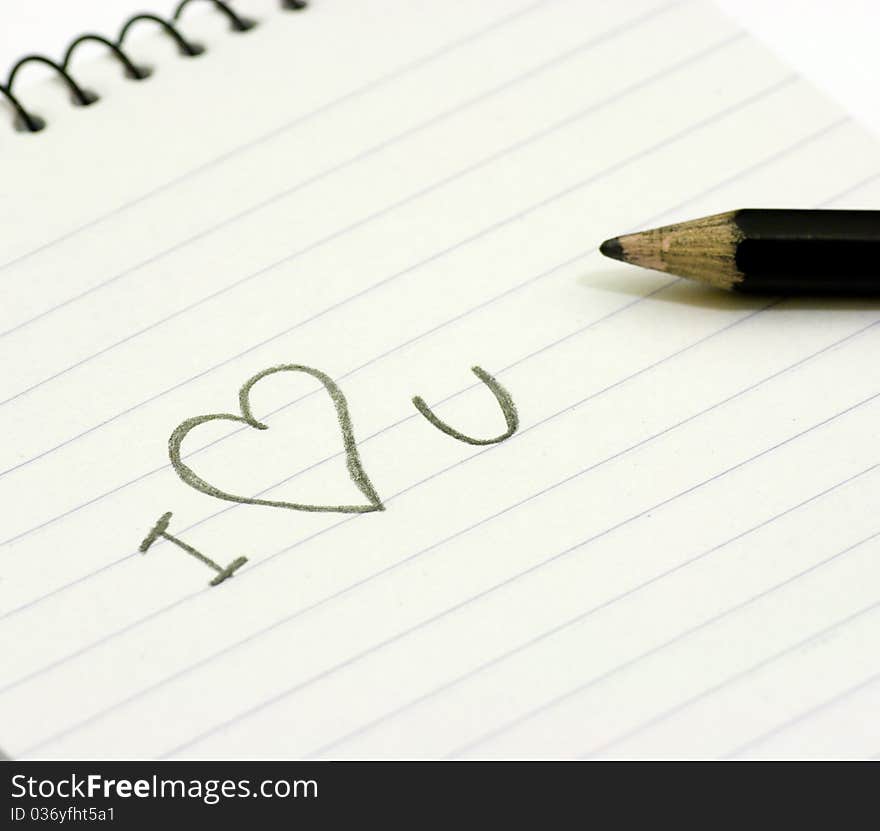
(28, 121)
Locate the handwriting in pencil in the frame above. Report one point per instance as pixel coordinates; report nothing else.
(352, 457)
(160, 529)
(502, 396)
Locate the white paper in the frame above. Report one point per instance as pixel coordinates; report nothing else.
(676, 553)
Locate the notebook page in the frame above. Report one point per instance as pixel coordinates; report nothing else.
(674, 554)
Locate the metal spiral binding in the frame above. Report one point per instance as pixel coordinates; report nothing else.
(28, 121)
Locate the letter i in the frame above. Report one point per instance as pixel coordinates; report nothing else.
(160, 530)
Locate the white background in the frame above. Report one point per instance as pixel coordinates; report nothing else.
(832, 44)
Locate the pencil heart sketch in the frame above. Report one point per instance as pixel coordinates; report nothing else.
(352, 458)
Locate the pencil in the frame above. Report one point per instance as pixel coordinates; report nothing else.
(765, 251)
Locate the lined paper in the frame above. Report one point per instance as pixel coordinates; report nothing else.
(674, 556)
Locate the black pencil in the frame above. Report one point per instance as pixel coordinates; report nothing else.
(765, 251)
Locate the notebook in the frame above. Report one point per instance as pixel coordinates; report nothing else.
(630, 518)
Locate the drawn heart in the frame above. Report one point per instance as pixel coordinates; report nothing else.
(352, 458)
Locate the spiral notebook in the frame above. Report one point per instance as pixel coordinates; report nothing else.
(629, 517)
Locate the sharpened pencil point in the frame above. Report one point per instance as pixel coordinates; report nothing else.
(612, 248)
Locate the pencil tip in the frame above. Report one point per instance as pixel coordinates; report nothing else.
(612, 248)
